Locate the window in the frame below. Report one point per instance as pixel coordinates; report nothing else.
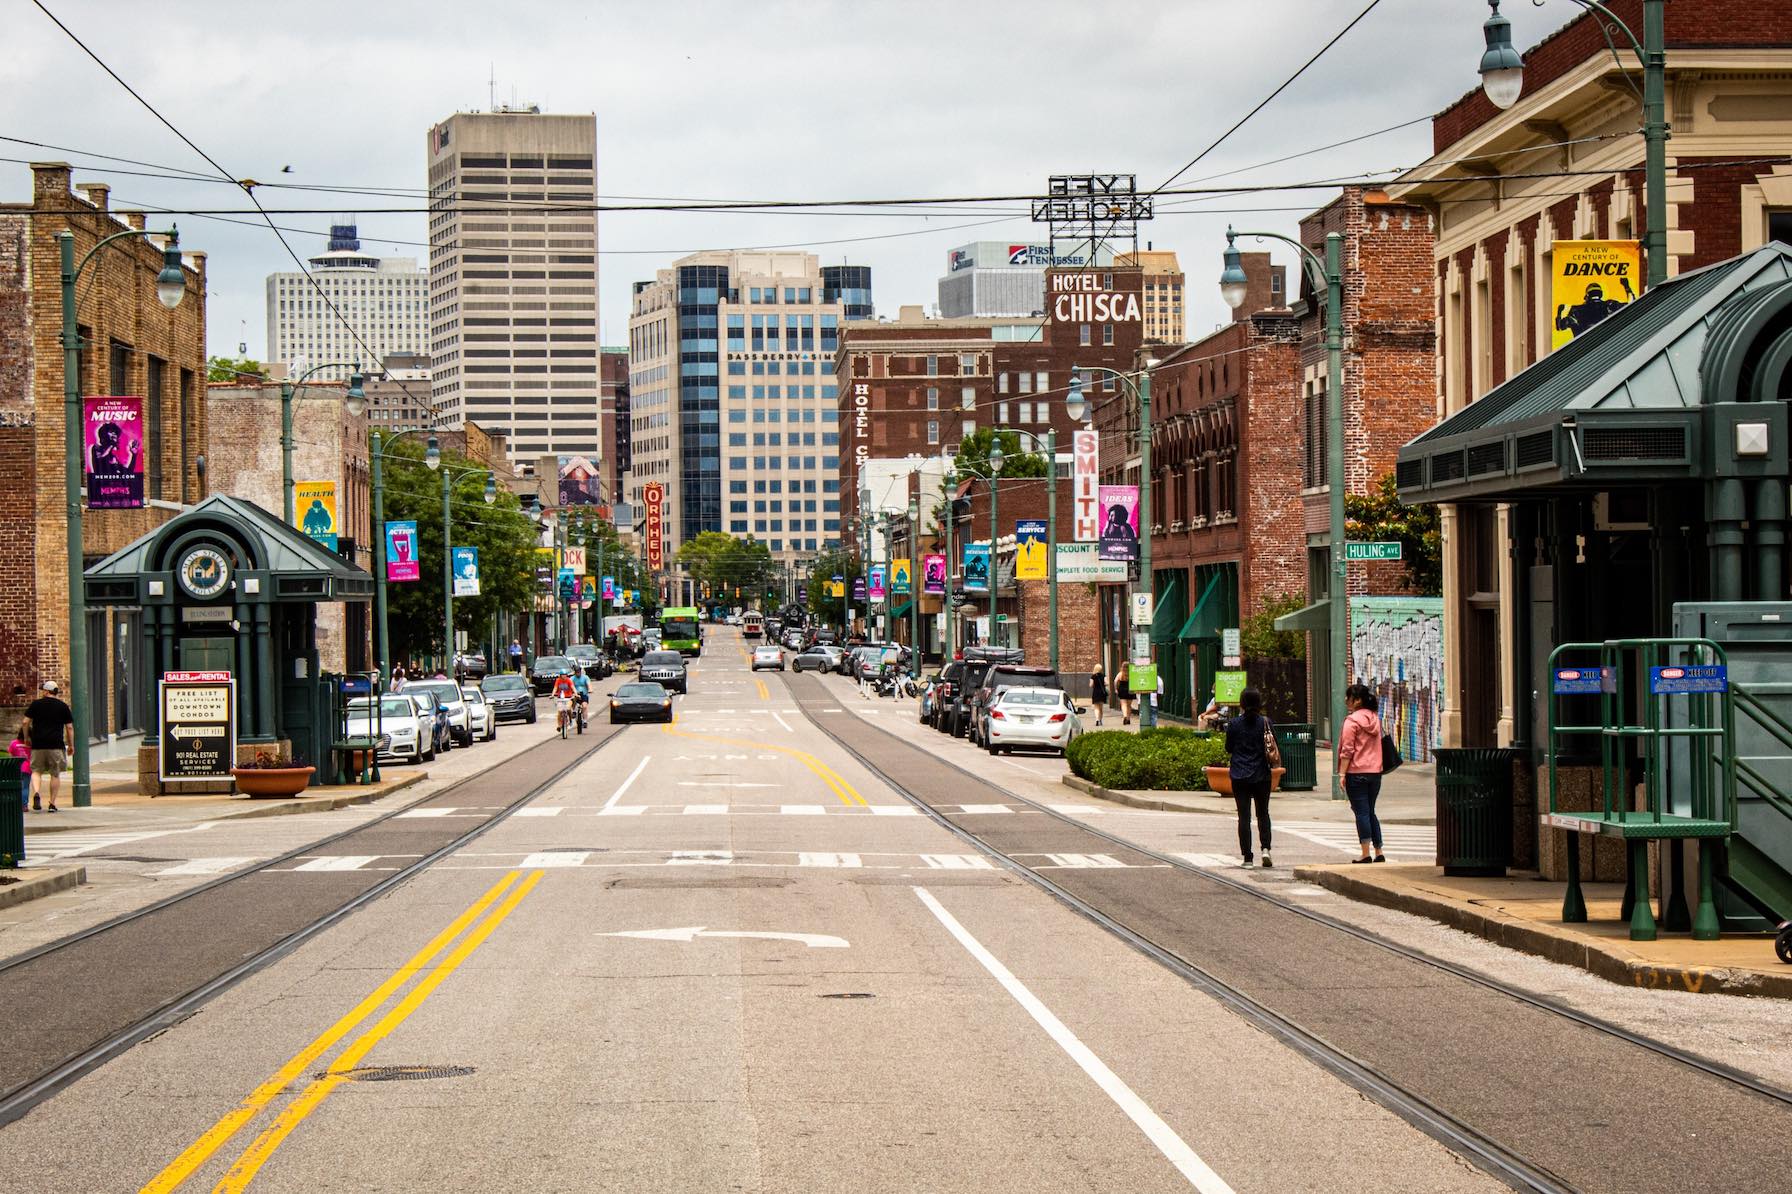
(1313, 462)
(967, 398)
(1026, 383)
(933, 397)
(933, 366)
(1001, 412)
(967, 363)
(1779, 226)
(1002, 383)
(1045, 382)
(969, 428)
(152, 428)
(1107, 334)
(933, 431)
(1083, 335)
(1026, 412)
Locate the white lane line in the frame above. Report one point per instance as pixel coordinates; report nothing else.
(826, 859)
(802, 810)
(541, 812)
(724, 783)
(957, 862)
(705, 810)
(985, 809)
(779, 718)
(205, 866)
(617, 794)
(622, 810)
(549, 858)
(1172, 1146)
(339, 862)
(894, 810)
(1076, 810)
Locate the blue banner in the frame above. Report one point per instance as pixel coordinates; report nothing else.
(466, 572)
(976, 567)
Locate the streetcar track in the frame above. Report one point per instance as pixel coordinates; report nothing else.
(1497, 1159)
(21, 1099)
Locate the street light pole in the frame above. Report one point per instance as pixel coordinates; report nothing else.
(914, 588)
(448, 571)
(1051, 540)
(171, 285)
(1234, 287)
(288, 389)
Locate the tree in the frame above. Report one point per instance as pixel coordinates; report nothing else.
(234, 370)
(725, 563)
(973, 455)
(1379, 516)
(1260, 638)
(828, 565)
(605, 555)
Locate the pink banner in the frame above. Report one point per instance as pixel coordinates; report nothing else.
(112, 450)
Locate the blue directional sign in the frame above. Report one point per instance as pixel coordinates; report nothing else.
(1570, 681)
(1664, 681)
(356, 685)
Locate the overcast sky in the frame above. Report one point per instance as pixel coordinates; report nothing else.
(817, 99)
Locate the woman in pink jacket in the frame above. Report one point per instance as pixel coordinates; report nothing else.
(1359, 761)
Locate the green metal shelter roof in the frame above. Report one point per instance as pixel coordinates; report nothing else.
(1621, 403)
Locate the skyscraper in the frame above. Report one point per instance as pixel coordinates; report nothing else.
(354, 306)
(513, 278)
(732, 399)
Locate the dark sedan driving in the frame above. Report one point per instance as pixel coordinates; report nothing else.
(640, 702)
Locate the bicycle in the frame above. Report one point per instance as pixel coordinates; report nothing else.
(562, 707)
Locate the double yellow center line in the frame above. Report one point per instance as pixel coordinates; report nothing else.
(507, 893)
(836, 782)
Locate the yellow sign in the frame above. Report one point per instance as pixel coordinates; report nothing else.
(314, 510)
(1029, 556)
(836, 588)
(1592, 279)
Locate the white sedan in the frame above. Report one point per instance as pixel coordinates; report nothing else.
(482, 723)
(772, 657)
(1032, 717)
(404, 731)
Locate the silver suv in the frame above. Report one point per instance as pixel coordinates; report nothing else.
(665, 668)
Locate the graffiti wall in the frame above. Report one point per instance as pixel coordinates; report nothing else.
(1397, 649)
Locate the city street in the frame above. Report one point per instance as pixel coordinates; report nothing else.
(725, 953)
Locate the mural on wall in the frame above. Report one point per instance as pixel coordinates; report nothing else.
(1397, 649)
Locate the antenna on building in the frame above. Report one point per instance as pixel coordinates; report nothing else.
(242, 345)
(491, 87)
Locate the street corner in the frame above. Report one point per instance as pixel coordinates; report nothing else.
(20, 886)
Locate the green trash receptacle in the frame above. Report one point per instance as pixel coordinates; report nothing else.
(1300, 757)
(12, 811)
(1474, 809)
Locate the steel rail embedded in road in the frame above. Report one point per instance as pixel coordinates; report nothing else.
(1511, 1165)
(22, 1096)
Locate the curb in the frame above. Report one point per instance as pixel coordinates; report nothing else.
(1127, 798)
(301, 804)
(41, 883)
(1607, 960)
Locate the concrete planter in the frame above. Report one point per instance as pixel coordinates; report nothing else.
(1219, 779)
(265, 783)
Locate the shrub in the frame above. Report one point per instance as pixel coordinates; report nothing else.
(1166, 759)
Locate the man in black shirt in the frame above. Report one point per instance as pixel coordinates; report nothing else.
(50, 733)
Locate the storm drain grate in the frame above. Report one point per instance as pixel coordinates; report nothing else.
(849, 995)
(400, 1073)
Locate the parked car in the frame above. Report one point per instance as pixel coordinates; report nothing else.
(454, 701)
(768, 657)
(640, 701)
(955, 707)
(510, 697)
(470, 665)
(482, 722)
(931, 686)
(995, 679)
(816, 659)
(1022, 716)
(429, 705)
(825, 636)
(405, 735)
(666, 668)
(546, 670)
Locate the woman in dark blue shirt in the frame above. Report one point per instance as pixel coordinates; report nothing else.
(1250, 771)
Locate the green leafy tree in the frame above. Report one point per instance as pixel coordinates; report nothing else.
(1260, 638)
(232, 370)
(828, 565)
(607, 555)
(973, 455)
(1379, 516)
(725, 564)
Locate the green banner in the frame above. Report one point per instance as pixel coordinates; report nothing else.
(1228, 687)
(1141, 678)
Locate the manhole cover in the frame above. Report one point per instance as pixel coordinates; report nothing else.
(849, 995)
(401, 1073)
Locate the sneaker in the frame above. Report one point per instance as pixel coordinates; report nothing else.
(1266, 862)
(1246, 863)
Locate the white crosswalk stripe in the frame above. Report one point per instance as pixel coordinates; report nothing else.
(1084, 861)
(428, 812)
(541, 812)
(44, 848)
(894, 810)
(1419, 841)
(705, 810)
(622, 810)
(701, 857)
(205, 866)
(802, 810)
(829, 860)
(981, 810)
(957, 862)
(552, 858)
(338, 862)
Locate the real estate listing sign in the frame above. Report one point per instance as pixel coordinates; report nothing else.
(1591, 279)
(112, 446)
(198, 739)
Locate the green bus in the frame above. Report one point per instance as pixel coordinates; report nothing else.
(680, 630)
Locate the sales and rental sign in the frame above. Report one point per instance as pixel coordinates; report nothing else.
(653, 496)
(198, 726)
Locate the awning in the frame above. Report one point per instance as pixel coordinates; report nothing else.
(1204, 623)
(1168, 616)
(1317, 616)
(900, 611)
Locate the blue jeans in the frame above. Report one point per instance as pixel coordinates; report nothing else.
(1362, 788)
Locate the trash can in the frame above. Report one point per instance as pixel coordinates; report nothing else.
(12, 811)
(1300, 757)
(1474, 810)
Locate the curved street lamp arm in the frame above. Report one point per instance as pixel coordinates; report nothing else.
(171, 233)
(1310, 261)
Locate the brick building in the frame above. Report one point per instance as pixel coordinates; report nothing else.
(329, 444)
(1565, 163)
(133, 346)
(612, 417)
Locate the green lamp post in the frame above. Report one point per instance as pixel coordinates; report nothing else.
(355, 400)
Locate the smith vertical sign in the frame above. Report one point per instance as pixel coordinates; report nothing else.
(1085, 498)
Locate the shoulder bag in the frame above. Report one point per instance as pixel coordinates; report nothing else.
(1271, 751)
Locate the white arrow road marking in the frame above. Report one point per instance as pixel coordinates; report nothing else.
(812, 940)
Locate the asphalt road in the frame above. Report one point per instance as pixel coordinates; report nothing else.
(725, 955)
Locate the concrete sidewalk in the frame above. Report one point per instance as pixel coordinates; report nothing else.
(1524, 912)
(1408, 797)
(118, 805)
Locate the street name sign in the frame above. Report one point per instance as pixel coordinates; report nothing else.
(1372, 551)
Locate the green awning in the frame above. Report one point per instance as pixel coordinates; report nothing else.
(1317, 616)
(1168, 612)
(1204, 623)
(900, 611)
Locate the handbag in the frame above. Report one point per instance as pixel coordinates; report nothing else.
(1390, 754)
(1271, 751)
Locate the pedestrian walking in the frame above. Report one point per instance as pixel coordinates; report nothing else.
(21, 750)
(1359, 761)
(1098, 691)
(50, 732)
(1250, 741)
(516, 656)
(1123, 694)
(398, 678)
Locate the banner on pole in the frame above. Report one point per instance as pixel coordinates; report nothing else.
(112, 447)
(1120, 522)
(609, 589)
(466, 572)
(1085, 473)
(401, 552)
(976, 567)
(933, 573)
(877, 582)
(858, 588)
(902, 578)
(1030, 549)
(574, 558)
(314, 511)
(1590, 280)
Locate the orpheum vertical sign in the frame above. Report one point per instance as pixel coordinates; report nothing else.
(1085, 493)
(653, 496)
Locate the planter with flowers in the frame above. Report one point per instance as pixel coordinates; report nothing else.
(271, 775)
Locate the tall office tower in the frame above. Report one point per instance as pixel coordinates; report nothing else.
(1165, 320)
(731, 396)
(513, 278)
(362, 308)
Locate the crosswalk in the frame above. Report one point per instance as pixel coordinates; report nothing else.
(41, 849)
(1405, 841)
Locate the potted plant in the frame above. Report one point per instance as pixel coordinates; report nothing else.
(271, 775)
(1219, 779)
